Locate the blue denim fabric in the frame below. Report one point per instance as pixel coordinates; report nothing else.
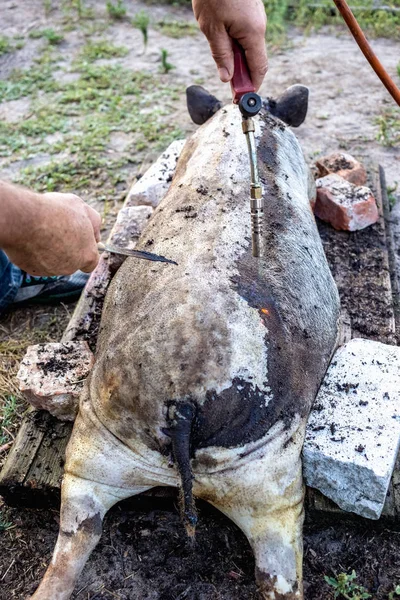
(10, 281)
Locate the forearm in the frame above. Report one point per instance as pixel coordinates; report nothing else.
(18, 210)
(48, 234)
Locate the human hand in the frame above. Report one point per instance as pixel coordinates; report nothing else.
(57, 234)
(244, 21)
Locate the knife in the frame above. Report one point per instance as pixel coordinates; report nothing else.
(136, 253)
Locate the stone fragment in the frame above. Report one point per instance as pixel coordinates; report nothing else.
(152, 187)
(344, 165)
(345, 205)
(130, 223)
(353, 433)
(51, 376)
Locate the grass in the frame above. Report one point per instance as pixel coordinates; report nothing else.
(7, 417)
(53, 37)
(141, 21)
(166, 66)
(5, 45)
(177, 29)
(104, 99)
(47, 5)
(389, 127)
(116, 10)
(101, 49)
(4, 523)
(28, 82)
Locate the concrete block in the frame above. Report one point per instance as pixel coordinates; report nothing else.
(353, 433)
(152, 187)
(51, 376)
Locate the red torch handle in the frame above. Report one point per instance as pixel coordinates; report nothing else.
(241, 81)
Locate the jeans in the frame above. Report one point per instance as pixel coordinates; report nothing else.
(10, 281)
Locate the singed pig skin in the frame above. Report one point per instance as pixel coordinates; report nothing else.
(243, 342)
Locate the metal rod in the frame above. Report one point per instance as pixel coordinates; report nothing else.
(251, 145)
(256, 199)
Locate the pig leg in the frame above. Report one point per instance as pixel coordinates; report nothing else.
(263, 494)
(83, 506)
(276, 540)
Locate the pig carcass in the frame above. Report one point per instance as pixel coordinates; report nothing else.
(205, 372)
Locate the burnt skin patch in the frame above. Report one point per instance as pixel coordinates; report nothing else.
(234, 417)
(91, 526)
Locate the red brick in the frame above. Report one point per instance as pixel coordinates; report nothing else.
(345, 205)
(344, 165)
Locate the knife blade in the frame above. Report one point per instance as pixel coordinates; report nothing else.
(135, 253)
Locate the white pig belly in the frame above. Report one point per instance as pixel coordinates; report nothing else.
(94, 453)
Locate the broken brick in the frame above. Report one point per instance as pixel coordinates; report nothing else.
(51, 376)
(345, 205)
(344, 165)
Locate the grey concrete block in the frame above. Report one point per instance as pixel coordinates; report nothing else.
(353, 433)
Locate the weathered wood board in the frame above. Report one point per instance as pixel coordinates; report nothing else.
(362, 266)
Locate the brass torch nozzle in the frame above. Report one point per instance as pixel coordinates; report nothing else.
(256, 199)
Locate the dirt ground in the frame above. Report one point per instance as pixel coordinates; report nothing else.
(143, 553)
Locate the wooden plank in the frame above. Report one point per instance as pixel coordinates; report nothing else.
(391, 248)
(33, 471)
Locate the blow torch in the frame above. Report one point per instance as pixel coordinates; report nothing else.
(250, 104)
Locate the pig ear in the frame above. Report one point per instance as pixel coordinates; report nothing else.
(292, 106)
(201, 104)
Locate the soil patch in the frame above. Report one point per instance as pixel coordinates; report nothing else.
(144, 554)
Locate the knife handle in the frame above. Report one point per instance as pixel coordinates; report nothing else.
(241, 81)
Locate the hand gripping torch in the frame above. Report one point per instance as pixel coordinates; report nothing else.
(250, 104)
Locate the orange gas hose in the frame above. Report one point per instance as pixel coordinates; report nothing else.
(366, 49)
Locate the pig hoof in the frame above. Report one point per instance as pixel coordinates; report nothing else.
(276, 587)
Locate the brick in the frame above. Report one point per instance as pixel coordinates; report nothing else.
(51, 376)
(345, 205)
(344, 165)
(353, 433)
